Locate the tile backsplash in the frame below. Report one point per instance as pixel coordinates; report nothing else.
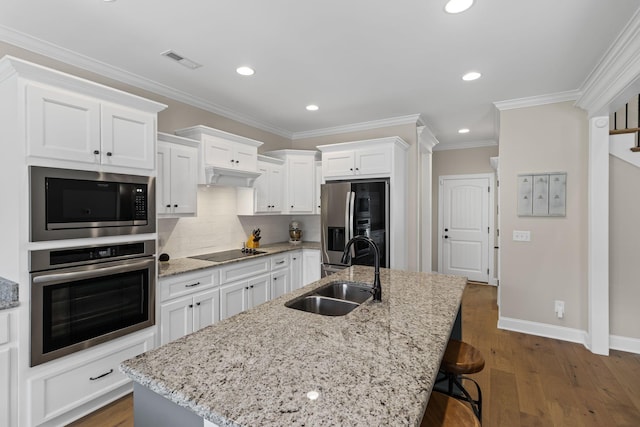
(218, 228)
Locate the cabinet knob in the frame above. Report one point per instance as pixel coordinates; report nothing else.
(357, 169)
(275, 278)
(291, 206)
(350, 169)
(251, 286)
(197, 303)
(190, 305)
(168, 206)
(237, 161)
(109, 154)
(96, 152)
(246, 287)
(175, 206)
(231, 160)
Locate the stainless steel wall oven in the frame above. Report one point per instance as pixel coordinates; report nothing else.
(84, 296)
(69, 204)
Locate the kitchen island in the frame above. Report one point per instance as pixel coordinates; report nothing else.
(276, 366)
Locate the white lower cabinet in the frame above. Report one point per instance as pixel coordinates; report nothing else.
(311, 266)
(189, 302)
(185, 315)
(295, 258)
(240, 296)
(8, 386)
(73, 383)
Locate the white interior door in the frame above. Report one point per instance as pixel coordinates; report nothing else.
(464, 226)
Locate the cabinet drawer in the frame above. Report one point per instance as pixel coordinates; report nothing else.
(244, 269)
(184, 284)
(280, 261)
(58, 392)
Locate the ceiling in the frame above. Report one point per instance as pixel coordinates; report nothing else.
(358, 60)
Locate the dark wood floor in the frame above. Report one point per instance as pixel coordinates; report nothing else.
(527, 380)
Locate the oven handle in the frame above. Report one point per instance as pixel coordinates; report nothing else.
(78, 275)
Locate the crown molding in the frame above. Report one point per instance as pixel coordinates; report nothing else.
(534, 101)
(616, 72)
(463, 145)
(355, 127)
(75, 59)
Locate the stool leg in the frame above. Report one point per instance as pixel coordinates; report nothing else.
(476, 405)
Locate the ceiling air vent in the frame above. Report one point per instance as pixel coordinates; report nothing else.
(181, 59)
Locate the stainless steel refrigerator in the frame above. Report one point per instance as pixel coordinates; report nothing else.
(350, 208)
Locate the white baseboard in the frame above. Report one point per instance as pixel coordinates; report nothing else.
(616, 342)
(543, 330)
(630, 345)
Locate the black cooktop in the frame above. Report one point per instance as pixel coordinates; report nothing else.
(227, 255)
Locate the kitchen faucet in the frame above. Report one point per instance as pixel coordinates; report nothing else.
(377, 290)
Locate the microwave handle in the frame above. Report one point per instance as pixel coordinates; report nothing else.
(79, 275)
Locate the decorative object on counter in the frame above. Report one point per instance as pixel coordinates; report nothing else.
(295, 233)
(253, 241)
(163, 257)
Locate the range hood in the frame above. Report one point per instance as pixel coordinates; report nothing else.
(216, 175)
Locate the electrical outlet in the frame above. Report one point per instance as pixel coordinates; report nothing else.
(521, 236)
(559, 308)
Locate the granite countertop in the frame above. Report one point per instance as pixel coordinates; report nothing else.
(185, 265)
(374, 366)
(8, 294)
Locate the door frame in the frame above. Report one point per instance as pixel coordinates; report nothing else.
(490, 206)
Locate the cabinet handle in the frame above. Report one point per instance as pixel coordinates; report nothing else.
(197, 303)
(168, 206)
(175, 206)
(190, 305)
(231, 160)
(247, 288)
(295, 259)
(280, 262)
(237, 161)
(275, 278)
(96, 152)
(357, 169)
(192, 285)
(109, 154)
(101, 376)
(350, 169)
(251, 286)
(292, 206)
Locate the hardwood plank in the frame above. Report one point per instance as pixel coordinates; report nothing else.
(117, 414)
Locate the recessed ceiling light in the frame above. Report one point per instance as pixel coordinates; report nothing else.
(472, 75)
(465, 130)
(245, 71)
(457, 6)
(312, 107)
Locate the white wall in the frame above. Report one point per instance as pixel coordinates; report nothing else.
(553, 265)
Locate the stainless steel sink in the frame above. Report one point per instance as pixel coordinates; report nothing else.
(322, 305)
(350, 291)
(336, 298)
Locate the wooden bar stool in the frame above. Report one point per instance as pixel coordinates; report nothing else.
(462, 359)
(445, 411)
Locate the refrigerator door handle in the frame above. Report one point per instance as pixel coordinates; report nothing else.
(351, 221)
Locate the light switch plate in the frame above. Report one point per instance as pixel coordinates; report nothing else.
(521, 236)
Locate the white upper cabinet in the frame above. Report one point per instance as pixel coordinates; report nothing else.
(371, 158)
(299, 180)
(177, 181)
(224, 158)
(265, 197)
(72, 126)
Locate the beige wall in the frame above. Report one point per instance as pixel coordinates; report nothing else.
(553, 265)
(624, 235)
(177, 115)
(455, 162)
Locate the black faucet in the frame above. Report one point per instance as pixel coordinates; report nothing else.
(377, 289)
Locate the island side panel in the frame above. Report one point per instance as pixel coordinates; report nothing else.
(152, 410)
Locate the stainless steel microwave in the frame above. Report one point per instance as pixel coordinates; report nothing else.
(71, 204)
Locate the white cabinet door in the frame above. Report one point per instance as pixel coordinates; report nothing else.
(259, 290)
(206, 309)
(276, 187)
(5, 386)
(184, 179)
(163, 179)
(300, 181)
(233, 299)
(339, 163)
(62, 125)
(376, 161)
(217, 151)
(245, 157)
(280, 283)
(262, 189)
(296, 269)
(176, 319)
(310, 266)
(128, 137)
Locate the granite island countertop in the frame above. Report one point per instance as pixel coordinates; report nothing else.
(374, 366)
(185, 265)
